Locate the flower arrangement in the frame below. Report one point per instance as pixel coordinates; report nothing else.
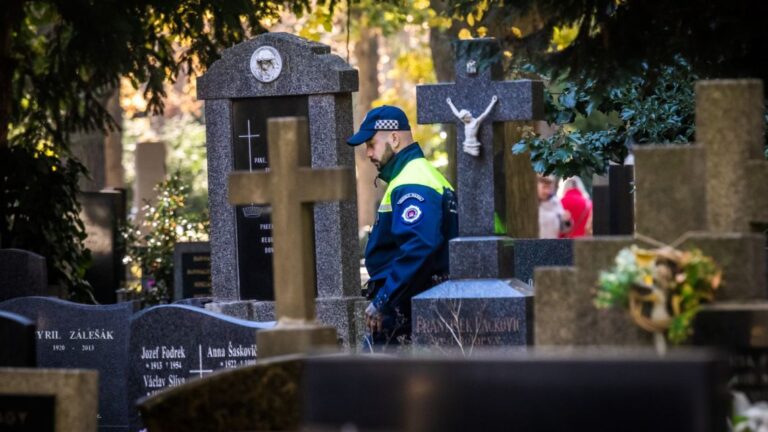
(662, 288)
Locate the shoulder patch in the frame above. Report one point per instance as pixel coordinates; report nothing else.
(411, 214)
(409, 196)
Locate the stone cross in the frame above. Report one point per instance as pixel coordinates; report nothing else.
(290, 186)
(481, 189)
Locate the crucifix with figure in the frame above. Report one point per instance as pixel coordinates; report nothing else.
(290, 186)
(478, 103)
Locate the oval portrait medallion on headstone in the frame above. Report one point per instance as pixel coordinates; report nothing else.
(266, 64)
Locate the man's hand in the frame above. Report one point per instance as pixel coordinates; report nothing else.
(373, 319)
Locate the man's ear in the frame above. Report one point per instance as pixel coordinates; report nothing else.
(396, 141)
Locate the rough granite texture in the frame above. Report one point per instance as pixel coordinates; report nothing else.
(481, 257)
(218, 134)
(337, 262)
(75, 391)
(731, 126)
(308, 69)
(319, 71)
(22, 273)
(670, 193)
(554, 324)
(339, 312)
(473, 314)
(518, 100)
(172, 344)
(532, 253)
(107, 354)
(261, 397)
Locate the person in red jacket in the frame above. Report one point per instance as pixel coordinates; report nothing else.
(575, 200)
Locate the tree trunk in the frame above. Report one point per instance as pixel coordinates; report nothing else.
(367, 56)
(442, 58)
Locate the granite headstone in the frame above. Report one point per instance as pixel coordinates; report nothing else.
(468, 315)
(102, 214)
(172, 344)
(191, 270)
(613, 202)
(22, 273)
(278, 74)
(78, 336)
(532, 253)
(17, 339)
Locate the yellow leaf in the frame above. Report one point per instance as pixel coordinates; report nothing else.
(482, 31)
(516, 31)
(465, 34)
(471, 20)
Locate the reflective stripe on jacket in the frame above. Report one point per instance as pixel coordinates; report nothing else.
(409, 241)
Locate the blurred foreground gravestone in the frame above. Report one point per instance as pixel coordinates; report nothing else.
(78, 336)
(720, 215)
(48, 400)
(17, 338)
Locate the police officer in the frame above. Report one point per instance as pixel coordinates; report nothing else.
(407, 248)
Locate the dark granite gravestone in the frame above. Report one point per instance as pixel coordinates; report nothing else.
(614, 202)
(532, 253)
(473, 315)
(17, 337)
(27, 413)
(191, 270)
(22, 273)
(103, 213)
(271, 75)
(173, 344)
(592, 391)
(194, 301)
(78, 336)
(742, 330)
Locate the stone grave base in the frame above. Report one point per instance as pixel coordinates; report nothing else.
(285, 339)
(473, 314)
(338, 312)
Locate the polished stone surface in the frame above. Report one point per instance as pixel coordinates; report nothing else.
(78, 336)
(22, 273)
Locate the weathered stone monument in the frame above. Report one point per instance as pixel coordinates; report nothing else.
(274, 75)
(719, 207)
(291, 187)
(480, 260)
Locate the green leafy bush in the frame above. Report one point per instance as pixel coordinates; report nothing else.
(150, 255)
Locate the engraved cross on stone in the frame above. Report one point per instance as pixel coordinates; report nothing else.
(290, 186)
(481, 182)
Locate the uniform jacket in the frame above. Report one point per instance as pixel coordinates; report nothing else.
(409, 241)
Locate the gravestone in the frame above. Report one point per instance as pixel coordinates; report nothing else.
(150, 170)
(742, 330)
(48, 400)
(17, 337)
(191, 270)
(77, 336)
(173, 344)
(480, 262)
(272, 75)
(103, 213)
(613, 202)
(573, 391)
(669, 210)
(264, 396)
(22, 273)
(601, 207)
(459, 317)
(532, 253)
(290, 186)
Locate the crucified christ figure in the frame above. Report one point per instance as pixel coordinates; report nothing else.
(471, 125)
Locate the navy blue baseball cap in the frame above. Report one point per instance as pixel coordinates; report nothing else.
(382, 118)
